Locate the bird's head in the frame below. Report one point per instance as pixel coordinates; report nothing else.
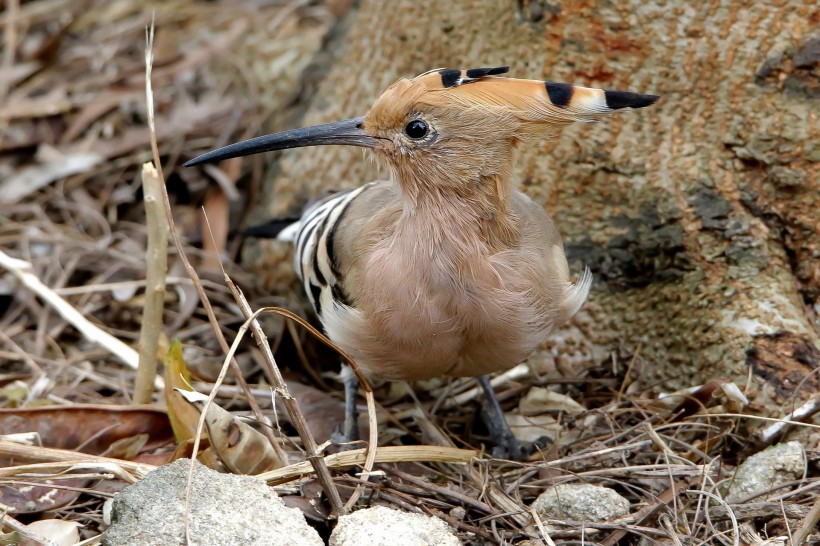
(447, 128)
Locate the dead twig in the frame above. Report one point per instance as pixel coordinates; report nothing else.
(541, 528)
(65, 459)
(664, 499)
(808, 526)
(729, 511)
(357, 457)
(9, 42)
(443, 491)
(156, 269)
(292, 406)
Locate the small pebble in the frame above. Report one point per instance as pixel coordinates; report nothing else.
(381, 526)
(581, 502)
(762, 471)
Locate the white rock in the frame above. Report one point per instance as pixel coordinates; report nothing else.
(772, 466)
(225, 509)
(581, 502)
(380, 526)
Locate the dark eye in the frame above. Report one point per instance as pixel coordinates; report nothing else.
(416, 129)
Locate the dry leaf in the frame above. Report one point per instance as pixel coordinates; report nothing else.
(60, 532)
(182, 416)
(529, 429)
(214, 228)
(243, 449)
(93, 427)
(48, 494)
(540, 400)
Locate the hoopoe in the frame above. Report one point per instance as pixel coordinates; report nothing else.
(444, 269)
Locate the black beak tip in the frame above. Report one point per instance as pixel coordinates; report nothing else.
(199, 160)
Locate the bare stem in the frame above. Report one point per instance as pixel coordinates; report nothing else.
(189, 269)
(156, 269)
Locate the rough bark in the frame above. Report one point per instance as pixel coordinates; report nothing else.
(700, 217)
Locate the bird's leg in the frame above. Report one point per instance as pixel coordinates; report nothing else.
(506, 444)
(351, 425)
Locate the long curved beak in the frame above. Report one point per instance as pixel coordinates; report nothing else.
(348, 132)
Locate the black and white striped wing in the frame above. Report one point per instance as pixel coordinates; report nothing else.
(314, 259)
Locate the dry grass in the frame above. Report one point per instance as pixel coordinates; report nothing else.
(75, 137)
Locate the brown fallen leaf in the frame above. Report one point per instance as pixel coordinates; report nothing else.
(90, 428)
(324, 414)
(30, 179)
(51, 104)
(127, 448)
(36, 495)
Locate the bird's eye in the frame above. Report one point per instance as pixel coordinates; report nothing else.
(416, 129)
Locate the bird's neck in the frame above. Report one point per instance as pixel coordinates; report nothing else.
(467, 215)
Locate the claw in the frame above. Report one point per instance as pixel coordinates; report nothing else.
(507, 445)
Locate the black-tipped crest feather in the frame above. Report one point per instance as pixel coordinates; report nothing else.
(451, 77)
(627, 99)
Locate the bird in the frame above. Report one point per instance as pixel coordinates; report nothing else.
(444, 268)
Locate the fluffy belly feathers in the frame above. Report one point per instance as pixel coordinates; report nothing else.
(417, 326)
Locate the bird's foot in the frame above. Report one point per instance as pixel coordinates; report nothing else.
(345, 442)
(514, 449)
(507, 446)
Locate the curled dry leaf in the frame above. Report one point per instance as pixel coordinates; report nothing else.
(59, 532)
(693, 400)
(242, 449)
(540, 400)
(531, 428)
(181, 415)
(735, 399)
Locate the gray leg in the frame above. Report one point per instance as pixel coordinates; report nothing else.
(506, 445)
(351, 426)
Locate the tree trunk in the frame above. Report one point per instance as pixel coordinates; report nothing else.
(699, 217)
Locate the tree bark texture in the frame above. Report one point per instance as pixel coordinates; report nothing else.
(699, 217)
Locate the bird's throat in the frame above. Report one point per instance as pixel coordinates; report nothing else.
(460, 215)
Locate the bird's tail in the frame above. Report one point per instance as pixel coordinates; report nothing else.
(283, 228)
(575, 295)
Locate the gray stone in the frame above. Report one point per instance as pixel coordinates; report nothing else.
(380, 526)
(225, 509)
(786, 177)
(762, 471)
(581, 502)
